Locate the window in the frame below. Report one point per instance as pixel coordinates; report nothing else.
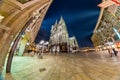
(115, 37)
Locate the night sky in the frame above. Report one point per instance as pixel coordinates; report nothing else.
(80, 16)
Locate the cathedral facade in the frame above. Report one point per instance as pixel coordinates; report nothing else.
(59, 38)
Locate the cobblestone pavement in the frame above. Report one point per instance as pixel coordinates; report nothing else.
(92, 66)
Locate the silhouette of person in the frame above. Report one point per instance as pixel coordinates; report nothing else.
(115, 51)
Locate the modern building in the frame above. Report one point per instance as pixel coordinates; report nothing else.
(60, 38)
(107, 29)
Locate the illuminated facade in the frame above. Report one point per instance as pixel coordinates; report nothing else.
(59, 37)
(59, 33)
(108, 26)
(73, 43)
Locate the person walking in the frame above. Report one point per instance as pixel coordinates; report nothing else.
(115, 51)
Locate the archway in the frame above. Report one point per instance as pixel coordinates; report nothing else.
(110, 39)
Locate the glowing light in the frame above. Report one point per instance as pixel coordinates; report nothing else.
(118, 44)
(1, 18)
(109, 43)
(116, 33)
(46, 43)
(28, 43)
(23, 36)
(42, 41)
(116, 1)
(12, 44)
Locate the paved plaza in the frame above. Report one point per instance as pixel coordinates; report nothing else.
(90, 66)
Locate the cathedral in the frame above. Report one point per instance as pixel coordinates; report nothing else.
(59, 38)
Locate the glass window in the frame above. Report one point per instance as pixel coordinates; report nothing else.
(115, 37)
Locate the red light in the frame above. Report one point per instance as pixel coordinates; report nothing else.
(117, 2)
(118, 44)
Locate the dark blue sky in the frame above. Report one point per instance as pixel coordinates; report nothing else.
(80, 17)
